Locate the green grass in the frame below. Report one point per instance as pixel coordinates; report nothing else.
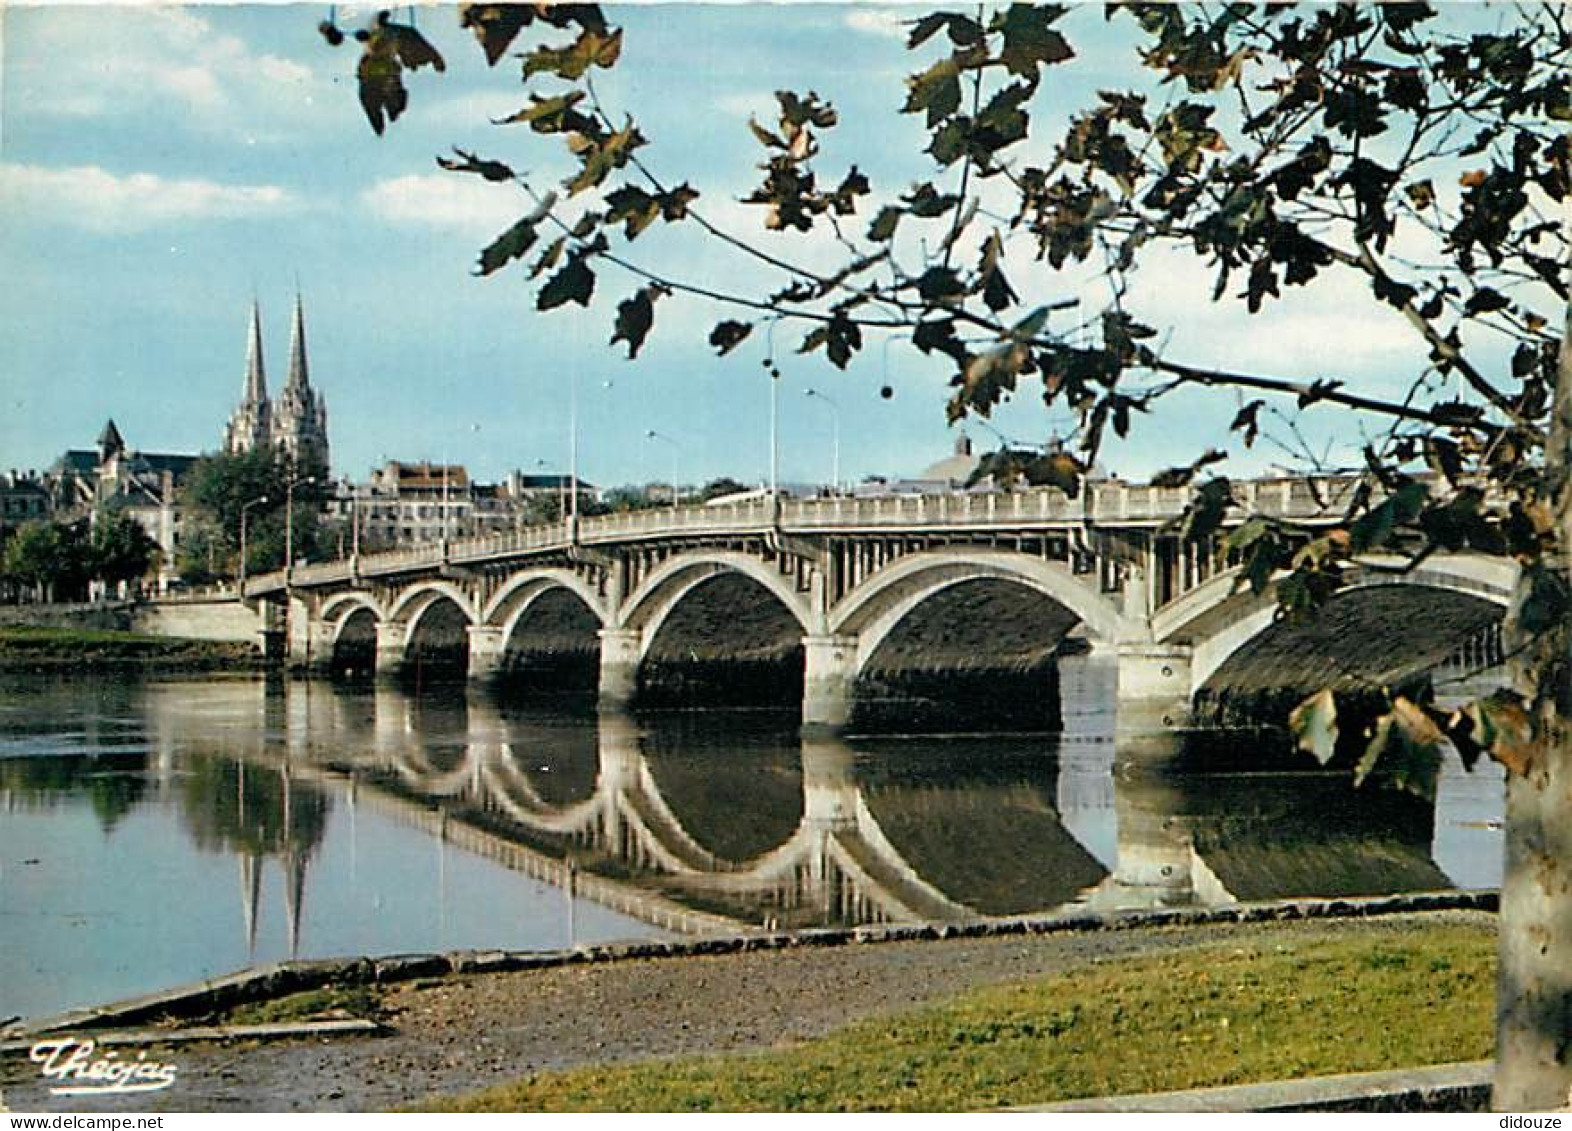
(90, 644)
(311, 1005)
(1195, 1019)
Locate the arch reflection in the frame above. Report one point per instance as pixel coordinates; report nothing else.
(706, 823)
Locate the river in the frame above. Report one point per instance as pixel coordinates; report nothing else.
(156, 831)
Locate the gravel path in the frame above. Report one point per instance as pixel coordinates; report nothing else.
(463, 1033)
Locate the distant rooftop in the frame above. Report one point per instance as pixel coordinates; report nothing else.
(424, 474)
(547, 482)
(81, 462)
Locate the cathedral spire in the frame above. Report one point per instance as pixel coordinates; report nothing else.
(250, 424)
(299, 417)
(299, 376)
(256, 376)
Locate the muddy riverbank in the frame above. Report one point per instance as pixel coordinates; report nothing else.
(73, 650)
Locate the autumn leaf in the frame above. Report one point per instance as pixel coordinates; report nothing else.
(495, 25)
(413, 49)
(466, 162)
(1402, 748)
(574, 283)
(1504, 730)
(1314, 725)
(381, 79)
(507, 247)
(840, 337)
(728, 334)
(1057, 469)
(635, 316)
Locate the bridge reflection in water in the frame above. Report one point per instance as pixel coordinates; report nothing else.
(707, 822)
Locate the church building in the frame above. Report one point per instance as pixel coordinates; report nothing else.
(296, 422)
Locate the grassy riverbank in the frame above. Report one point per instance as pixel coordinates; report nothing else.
(1196, 1018)
(64, 648)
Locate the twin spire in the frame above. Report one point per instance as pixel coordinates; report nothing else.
(297, 421)
(256, 370)
(299, 378)
(256, 376)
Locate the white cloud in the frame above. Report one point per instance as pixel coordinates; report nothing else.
(876, 21)
(165, 60)
(91, 197)
(760, 104)
(1329, 328)
(447, 200)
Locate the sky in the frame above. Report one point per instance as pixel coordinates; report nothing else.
(160, 168)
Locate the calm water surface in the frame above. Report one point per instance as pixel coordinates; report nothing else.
(156, 832)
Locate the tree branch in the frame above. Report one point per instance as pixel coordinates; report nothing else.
(1438, 416)
(1365, 261)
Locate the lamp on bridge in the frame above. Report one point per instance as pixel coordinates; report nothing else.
(676, 450)
(244, 507)
(289, 519)
(835, 434)
(775, 428)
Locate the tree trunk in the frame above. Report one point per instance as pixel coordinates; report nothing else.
(1534, 993)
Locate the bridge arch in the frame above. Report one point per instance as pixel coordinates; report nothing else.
(549, 624)
(341, 606)
(355, 640)
(671, 582)
(966, 640)
(879, 604)
(351, 621)
(416, 601)
(718, 629)
(437, 616)
(522, 590)
(1457, 594)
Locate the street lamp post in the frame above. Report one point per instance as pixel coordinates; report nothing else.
(244, 507)
(467, 503)
(572, 449)
(835, 434)
(775, 414)
(289, 520)
(676, 451)
(562, 490)
(444, 498)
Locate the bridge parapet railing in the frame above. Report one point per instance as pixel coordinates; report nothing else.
(1104, 502)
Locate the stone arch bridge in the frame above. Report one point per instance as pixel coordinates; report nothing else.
(853, 603)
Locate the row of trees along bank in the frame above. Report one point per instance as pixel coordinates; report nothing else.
(56, 561)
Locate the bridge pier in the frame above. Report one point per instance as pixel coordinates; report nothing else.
(390, 649)
(272, 630)
(829, 679)
(392, 728)
(620, 650)
(829, 787)
(1156, 865)
(1153, 689)
(309, 640)
(488, 649)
